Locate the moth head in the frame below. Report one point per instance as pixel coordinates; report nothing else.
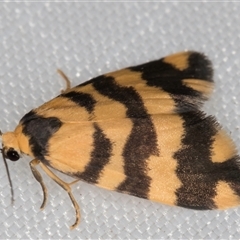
(10, 150)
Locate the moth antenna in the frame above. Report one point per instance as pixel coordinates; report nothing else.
(9, 178)
(63, 75)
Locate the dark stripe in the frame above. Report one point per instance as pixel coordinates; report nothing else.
(159, 72)
(198, 174)
(231, 173)
(195, 169)
(39, 130)
(82, 99)
(167, 77)
(142, 141)
(100, 156)
(102, 146)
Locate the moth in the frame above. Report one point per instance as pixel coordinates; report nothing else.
(138, 131)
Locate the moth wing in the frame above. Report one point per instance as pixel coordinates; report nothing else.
(140, 131)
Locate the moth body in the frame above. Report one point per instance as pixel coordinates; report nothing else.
(138, 131)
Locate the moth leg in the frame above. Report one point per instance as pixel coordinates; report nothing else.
(38, 177)
(68, 83)
(73, 182)
(66, 187)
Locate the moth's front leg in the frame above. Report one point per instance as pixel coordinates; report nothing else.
(38, 177)
(64, 185)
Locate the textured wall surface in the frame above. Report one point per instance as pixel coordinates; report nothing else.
(85, 40)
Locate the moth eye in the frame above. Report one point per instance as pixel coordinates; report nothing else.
(12, 155)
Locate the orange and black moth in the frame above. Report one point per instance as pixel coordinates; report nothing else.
(138, 131)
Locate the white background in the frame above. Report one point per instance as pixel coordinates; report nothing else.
(85, 40)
